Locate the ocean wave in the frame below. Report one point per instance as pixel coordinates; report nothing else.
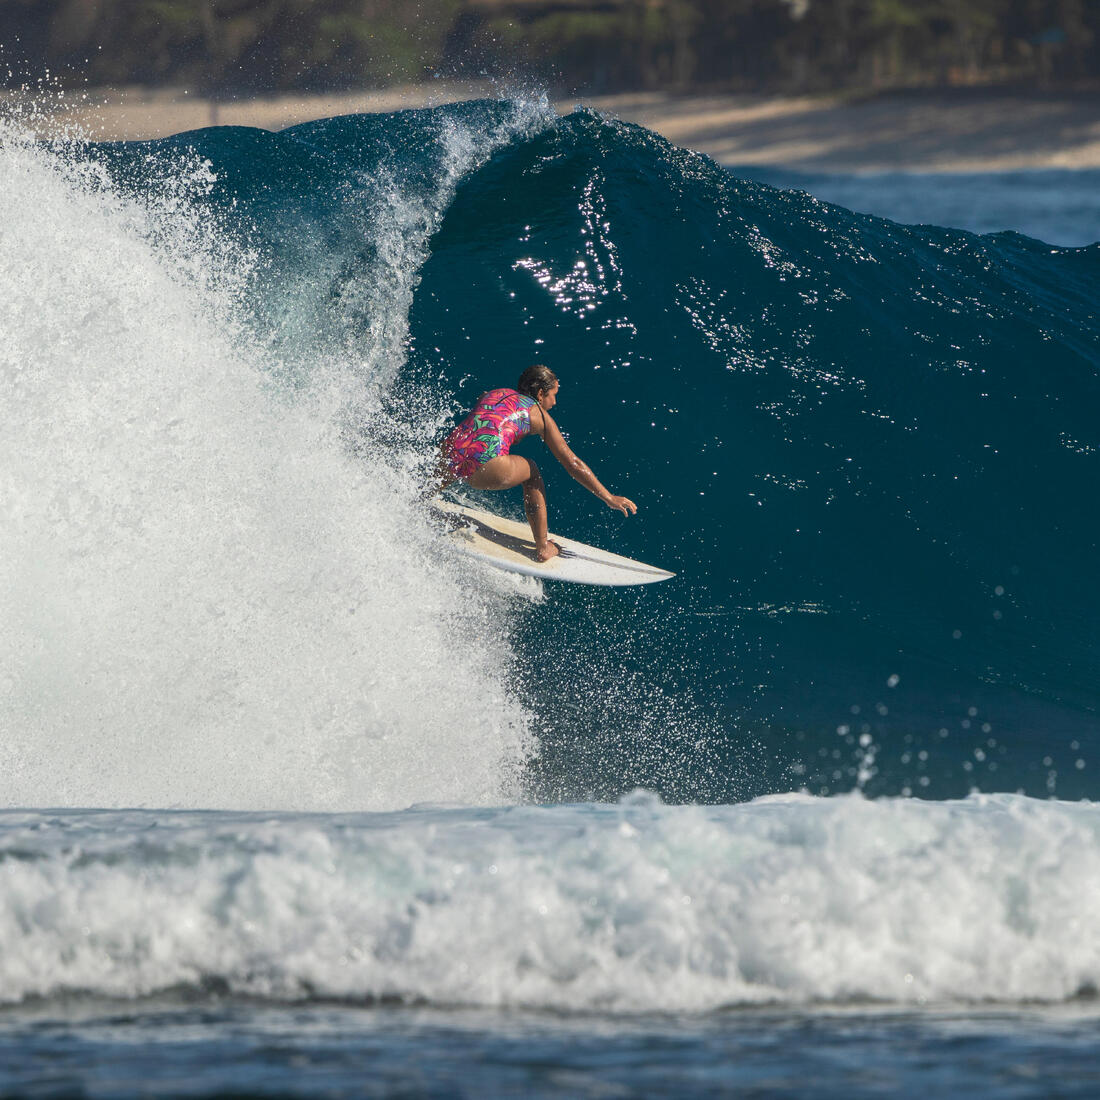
(230, 355)
(634, 907)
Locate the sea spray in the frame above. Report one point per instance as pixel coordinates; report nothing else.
(208, 598)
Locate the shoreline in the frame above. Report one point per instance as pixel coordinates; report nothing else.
(963, 130)
(968, 130)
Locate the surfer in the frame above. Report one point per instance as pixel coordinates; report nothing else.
(477, 451)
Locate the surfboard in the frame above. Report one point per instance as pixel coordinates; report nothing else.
(507, 544)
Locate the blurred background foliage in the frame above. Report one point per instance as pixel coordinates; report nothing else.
(229, 47)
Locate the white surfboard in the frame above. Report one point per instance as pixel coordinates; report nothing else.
(508, 545)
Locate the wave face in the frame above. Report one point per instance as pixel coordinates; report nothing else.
(868, 449)
(636, 907)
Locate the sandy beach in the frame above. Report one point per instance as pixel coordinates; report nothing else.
(965, 130)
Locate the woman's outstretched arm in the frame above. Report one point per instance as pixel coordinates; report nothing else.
(578, 470)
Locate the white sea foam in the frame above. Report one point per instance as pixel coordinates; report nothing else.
(205, 601)
(634, 907)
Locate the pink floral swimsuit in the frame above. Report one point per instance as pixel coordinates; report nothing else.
(498, 420)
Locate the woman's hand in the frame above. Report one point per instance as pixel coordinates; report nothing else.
(621, 504)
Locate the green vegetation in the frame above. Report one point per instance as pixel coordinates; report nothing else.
(230, 46)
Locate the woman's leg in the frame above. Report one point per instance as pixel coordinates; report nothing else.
(507, 471)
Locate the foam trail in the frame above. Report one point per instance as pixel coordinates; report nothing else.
(205, 601)
(638, 907)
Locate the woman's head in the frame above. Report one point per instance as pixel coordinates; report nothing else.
(536, 380)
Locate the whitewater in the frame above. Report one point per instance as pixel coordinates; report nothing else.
(207, 601)
(267, 749)
(626, 908)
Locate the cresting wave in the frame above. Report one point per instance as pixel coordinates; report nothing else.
(635, 907)
(207, 597)
(863, 446)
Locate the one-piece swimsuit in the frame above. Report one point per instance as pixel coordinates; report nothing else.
(500, 418)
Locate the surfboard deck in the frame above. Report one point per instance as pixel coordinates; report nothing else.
(507, 544)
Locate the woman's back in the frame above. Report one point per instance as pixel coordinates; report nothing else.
(499, 418)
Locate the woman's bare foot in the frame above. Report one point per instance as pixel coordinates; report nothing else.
(545, 553)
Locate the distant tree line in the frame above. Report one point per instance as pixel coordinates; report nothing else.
(222, 47)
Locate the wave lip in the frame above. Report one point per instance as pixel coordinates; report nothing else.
(635, 907)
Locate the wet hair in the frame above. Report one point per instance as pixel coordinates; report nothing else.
(535, 380)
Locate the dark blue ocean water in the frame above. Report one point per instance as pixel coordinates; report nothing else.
(294, 804)
(863, 445)
(219, 1049)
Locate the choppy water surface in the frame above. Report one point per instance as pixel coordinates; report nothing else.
(234, 653)
(215, 1048)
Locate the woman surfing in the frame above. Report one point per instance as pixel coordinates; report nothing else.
(477, 451)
